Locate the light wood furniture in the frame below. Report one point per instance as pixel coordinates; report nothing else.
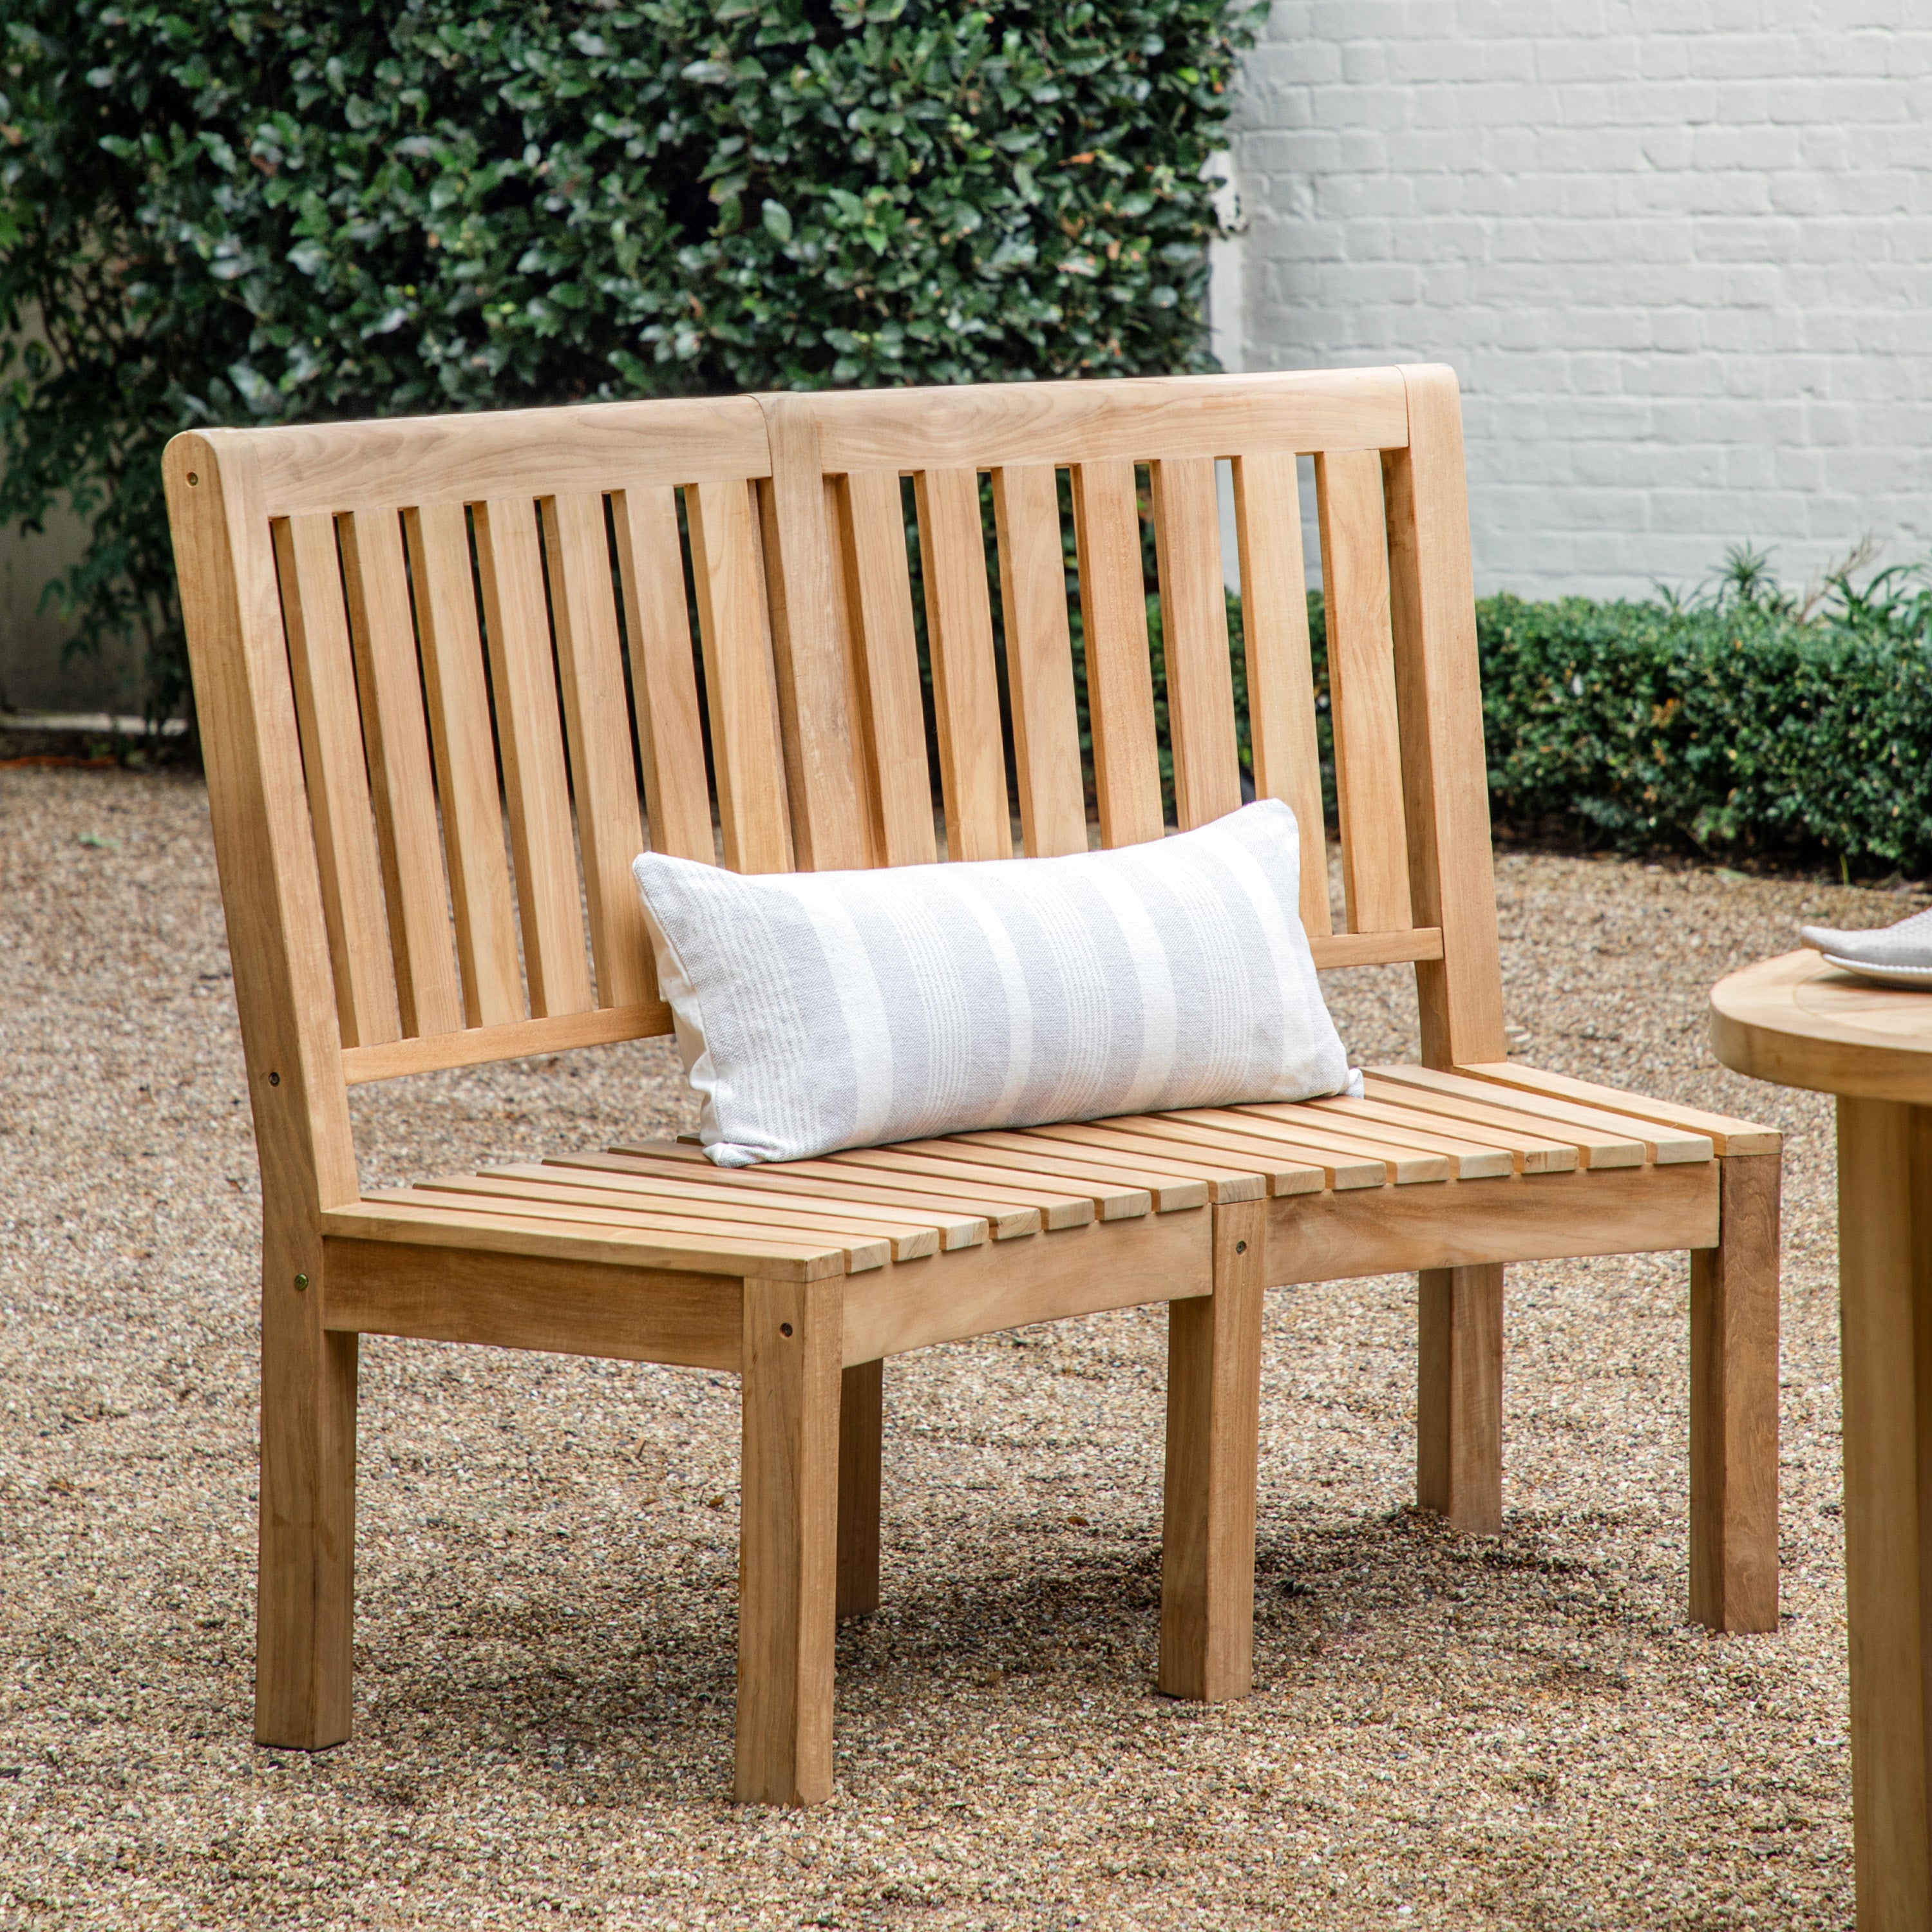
(1798, 1022)
(422, 650)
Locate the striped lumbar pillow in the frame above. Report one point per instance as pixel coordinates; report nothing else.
(816, 1010)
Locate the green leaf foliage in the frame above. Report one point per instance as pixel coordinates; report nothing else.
(306, 210)
(1742, 729)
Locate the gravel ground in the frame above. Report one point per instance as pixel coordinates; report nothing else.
(1519, 1732)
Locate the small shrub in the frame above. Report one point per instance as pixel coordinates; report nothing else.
(330, 209)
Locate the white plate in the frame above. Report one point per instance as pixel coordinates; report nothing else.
(1917, 977)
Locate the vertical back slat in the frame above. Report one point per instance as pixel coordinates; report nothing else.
(1040, 660)
(878, 593)
(328, 719)
(384, 631)
(1361, 684)
(1194, 633)
(609, 831)
(819, 701)
(1281, 680)
(664, 684)
(466, 763)
(965, 689)
(1119, 680)
(747, 750)
(532, 745)
(1458, 996)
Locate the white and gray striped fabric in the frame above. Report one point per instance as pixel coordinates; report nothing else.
(819, 1010)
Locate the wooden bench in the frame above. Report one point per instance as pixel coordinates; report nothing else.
(420, 650)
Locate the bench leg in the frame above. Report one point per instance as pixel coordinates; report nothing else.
(788, 1535)
(861, 1438)
(1734, 1404)
(1459, 1410)
(1213, 1423)
(305, 1589)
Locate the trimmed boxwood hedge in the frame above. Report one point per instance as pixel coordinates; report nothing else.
(328, 209)
(1733, 731)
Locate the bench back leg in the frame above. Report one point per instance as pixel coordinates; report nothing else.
(1458, 1409)
(788, 1533)
(1213, 1427)
(1734, 1403)
(305, 1603)
(861, 1440)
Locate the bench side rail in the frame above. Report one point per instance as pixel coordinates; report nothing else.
(998, 495)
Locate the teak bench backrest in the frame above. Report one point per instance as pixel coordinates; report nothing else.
(412, 638)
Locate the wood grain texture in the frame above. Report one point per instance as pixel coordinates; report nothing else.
(1445, 775)
(861, 1447)
(1040, 660)
(1048, 1277)
(503, 453)
(1522, 1217)
(529, 739)
(1666, 1128)
(1194, 633)
(1458, 1416)
(1280, 669)
(1214, 1425)
(1885, 1261)
(1136, 421)
(1168, 1192)
(1593, 1146)
(450, 646)
(1734, 1404)
(604, 777)
(664, 678)
(747, 748)
(396, 738)
(965, 691)
(475, 1046)
(1797, 1022)
(818, 698)
(349, 864)
(459, 1293)
(419, 1221)
(1362, 691)
(1120, 677)
(788, 1539)
(878, 601)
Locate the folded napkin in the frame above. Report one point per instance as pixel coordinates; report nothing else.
(1906, 945)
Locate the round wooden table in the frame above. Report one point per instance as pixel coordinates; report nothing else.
(1798, 1022)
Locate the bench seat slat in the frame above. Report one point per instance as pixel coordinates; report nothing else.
(1661, 1144)
(954, 1231)
(1338, 1167)
(1730, 1136)
(1227, 1181)
(961, 1223)
(909, 1242)
(1595, 1147)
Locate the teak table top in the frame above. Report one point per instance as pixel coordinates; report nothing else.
(1796, 1021)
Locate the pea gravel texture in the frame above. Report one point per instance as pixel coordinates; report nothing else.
(1520, 1733)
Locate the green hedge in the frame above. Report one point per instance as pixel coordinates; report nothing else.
(338, 208)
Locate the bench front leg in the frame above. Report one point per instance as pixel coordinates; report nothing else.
(1213, 1428)
(1459, 1407)
(788, 1540)
(1734, 1403)
(305, 1583)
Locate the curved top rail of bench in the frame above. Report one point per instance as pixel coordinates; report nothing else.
(1796, 1021)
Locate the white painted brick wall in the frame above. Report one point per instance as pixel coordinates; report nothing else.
(1679, 253)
